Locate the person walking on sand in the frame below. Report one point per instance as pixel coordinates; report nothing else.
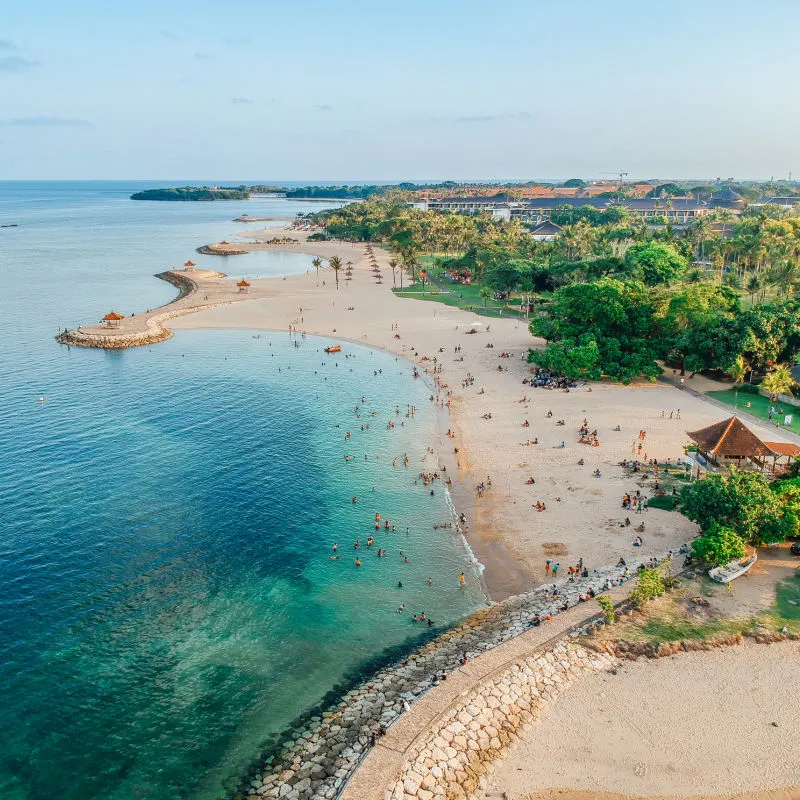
(547, 566)
(555, 570)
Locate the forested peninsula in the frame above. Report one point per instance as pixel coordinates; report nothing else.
(196, 193)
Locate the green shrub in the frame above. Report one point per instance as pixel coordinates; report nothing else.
(668, 502)
(607, 607)
(649, 584)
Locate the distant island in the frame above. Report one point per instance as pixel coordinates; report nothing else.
(195, 193)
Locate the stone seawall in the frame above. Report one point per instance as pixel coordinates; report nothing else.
(318, 756)
(153, 328)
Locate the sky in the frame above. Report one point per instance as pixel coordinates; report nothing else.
(412, 90)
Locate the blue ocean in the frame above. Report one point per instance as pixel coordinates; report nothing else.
(169, 602)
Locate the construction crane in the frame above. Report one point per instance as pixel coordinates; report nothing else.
(620, 174)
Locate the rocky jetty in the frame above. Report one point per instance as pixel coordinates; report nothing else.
(451, 760)
(221, 250)
(317, 757)
(145, 330)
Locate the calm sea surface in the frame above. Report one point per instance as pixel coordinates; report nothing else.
(167, 600)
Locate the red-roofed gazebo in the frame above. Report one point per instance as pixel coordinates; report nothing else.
(189, 264)
(112, 319)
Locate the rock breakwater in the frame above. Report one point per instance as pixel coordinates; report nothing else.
(315, 760)
(146, 329)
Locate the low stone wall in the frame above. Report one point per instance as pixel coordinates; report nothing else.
(316, 758)
(451, 760)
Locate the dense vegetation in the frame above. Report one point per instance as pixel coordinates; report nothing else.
(193, 193)
(613, 296)
(741, 508)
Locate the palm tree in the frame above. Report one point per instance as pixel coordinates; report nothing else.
(753, 286)
(393, 265)
(335, 264)
(486, 294)
(317, 263)
(779, 380)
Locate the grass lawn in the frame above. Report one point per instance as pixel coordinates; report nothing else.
(786, 610)
(459, 296)
(759, 406)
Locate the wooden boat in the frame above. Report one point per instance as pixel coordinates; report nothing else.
(336, 348)
(732, 570)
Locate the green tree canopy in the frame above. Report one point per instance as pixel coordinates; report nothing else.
(741, 501)
(655, 262)
(719, 545)
(608, 322)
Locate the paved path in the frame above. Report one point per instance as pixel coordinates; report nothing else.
(739, 412)
(379, 770)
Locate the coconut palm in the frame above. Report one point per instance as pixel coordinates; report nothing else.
(393, 265)
(779, 380)
(317, 263)
(335, 264)
(753, 287)
(487, 294)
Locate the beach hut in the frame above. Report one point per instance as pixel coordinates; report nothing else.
(189, 265)
(112, 319)
(729, 443)
(243, 285)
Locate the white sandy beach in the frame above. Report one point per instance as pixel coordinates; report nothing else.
(508, 534)
(665, 729)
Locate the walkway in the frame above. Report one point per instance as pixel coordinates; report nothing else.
(379, 769)
(739, 412)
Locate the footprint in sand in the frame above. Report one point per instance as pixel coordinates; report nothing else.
(641, 769)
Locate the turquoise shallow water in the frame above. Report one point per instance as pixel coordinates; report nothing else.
(168, 600)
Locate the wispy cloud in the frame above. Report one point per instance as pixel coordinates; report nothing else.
(5, 44)
(493, 117)
(15, 64)
(169, 35)
(323, 108)
(48, 122)
(203, 56)
(241, 101)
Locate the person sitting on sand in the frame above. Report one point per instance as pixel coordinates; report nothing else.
(638, 541)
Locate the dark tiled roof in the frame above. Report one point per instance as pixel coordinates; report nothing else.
(781, 201)
(636, 203)
(727, 195)
(730, 438)
(546, 229)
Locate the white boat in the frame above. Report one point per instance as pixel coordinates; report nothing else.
(732, 570)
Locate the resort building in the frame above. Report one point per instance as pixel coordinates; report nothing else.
(546, 232)
(786, 202)
(537, 210)
(727, 198)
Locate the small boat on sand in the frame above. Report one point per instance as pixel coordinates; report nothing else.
(336, 348)
(732, 570)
